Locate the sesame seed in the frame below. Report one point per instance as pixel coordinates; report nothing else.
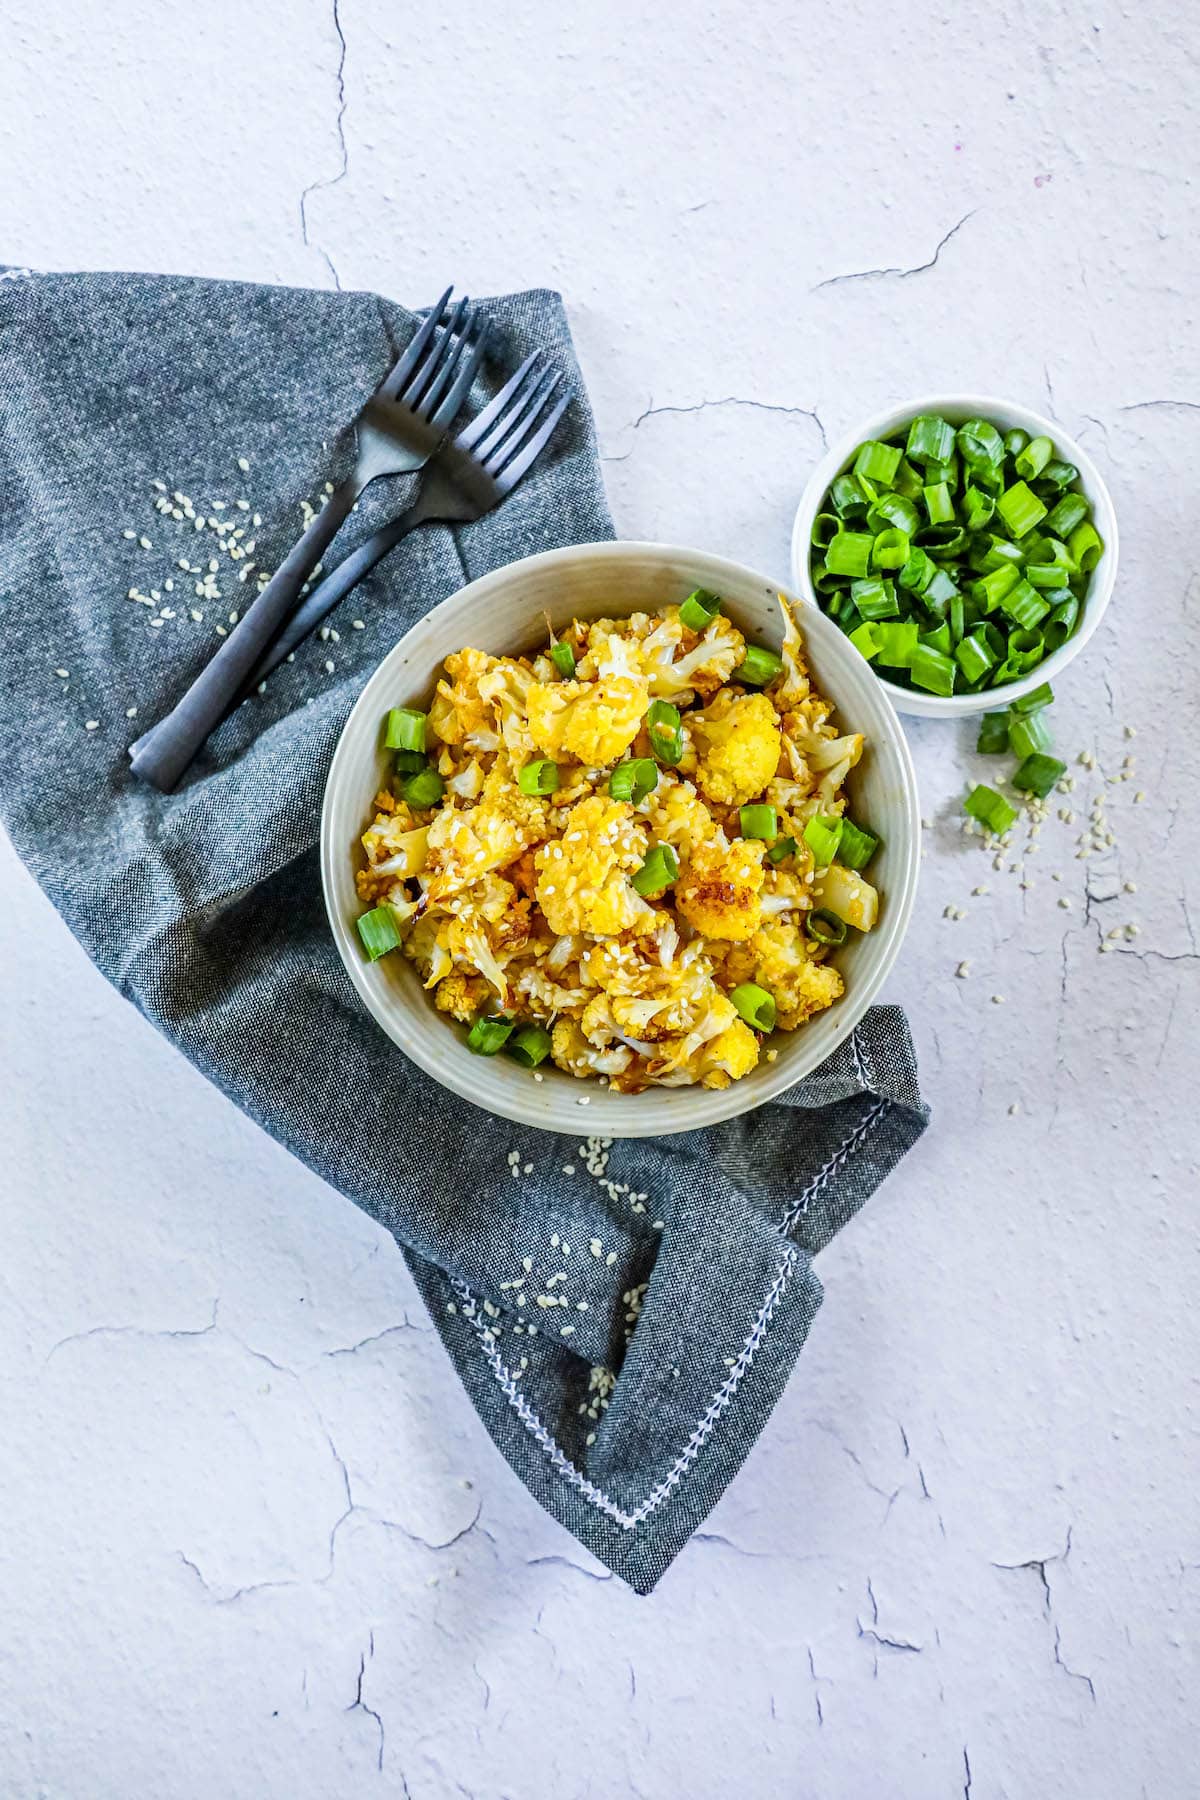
(998, 1000)
(63, 674)
(963, 970)
(1014, 1109)
(92, 725)
(610, 1259)
(1131, 887)
(1064, 903)
(329, 665)
(243, 464)
(145, 543)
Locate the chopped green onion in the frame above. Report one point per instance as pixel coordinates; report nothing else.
(759, 666)
(856, 846)
(980, 444)
(633, 780)
(824, 529)
(1030, 703)
(409, 761)
(487, 1036)
(405, 729)
(991, 588)
(1020, 508)
(1015, 441)
(878, 462)
(918, 571)
(759, 821)
(1025, 649)
(755, 1005)
(938, 504)
(540, 777)
(1058, 474)
(1061, 623)
(530, 1045)
(894, 509)
(991, 553)
(993, 732)
(890, 549)
(958, 618)
(825, 927)
(939, 639)
(1038, 774)
(974, 658)
(824, 582)
(781, 849)
(378, 931)
(875, 598)
(424, 789)
(906, 481)
(665, 731)
(1030, 461)
(843, 612)
(1024, 605)
(849, 553)
(978, 508)
(897, 639)
(1085, 546)
(932, 669)
(930, 439)
(848, 497)
(701, 608)
(1027, 733)
(659, 870)
(990, 809)
(563, 658)
(1069, 512)
(865, 640)
(823, 834)
(940, 589)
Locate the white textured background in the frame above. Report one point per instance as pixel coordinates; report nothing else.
(253, 1541)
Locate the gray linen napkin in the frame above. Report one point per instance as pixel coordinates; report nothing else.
(685, 1264)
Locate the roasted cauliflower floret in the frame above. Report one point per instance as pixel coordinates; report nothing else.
(459, 713)
(700, 670)
(777, 958)
(738, 745)
(849, 895)
(583, 876)
(718, 891)
(593, 721)
(461, 995)
(572, 1052)
(463, 845)
(677, 815)
(728, 1056)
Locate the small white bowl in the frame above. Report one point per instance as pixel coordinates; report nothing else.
(506, 612)
(957, 408)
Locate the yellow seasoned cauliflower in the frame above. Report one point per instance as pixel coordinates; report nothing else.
(459, 713)
(727, 1057)
(464, 845)
(583, 876)
(593, 721)
(849, 895)
(461, 995)
(737, 745)
(718, 890)
(778, 958)
(676, 815)
(702, 669)
(572, 1052)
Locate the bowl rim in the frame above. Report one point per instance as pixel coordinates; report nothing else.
(957, 706)
(708, 1106)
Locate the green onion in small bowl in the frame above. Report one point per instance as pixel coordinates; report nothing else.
(967, 547)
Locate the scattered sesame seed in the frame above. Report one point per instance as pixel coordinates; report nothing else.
(998, 1000)
(357, 625)
(610, 1259)
(145, 543)
(1064, 903)
(63, 674)
(1131, 887)
(92, 725)
(1014, 1109)
(963, 970)
(329, 665)
(243, 464)
(1138, 797)
(978, 890)
(1130, 732)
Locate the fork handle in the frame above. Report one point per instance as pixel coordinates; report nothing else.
(336, 585)
(162, 754)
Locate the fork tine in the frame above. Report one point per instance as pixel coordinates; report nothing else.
(437, 386)
(499, 442)
(448, 411)
(509, 478)
(470, 435)
(405, 364)
(411, 393)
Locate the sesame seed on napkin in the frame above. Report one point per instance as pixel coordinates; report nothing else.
(624, 1316)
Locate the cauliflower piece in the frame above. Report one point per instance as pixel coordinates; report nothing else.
(794, 684)
(849, 895)
(583, 876)
(572, 1052)
(738, 746)
(592, 721)
(460, 994)
(676, 815)
(718, 892)
(464, 845)
(778, 958)
(703, 669)
(459, 713)
(728, 1056)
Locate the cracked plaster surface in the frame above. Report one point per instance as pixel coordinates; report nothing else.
(255, 1540)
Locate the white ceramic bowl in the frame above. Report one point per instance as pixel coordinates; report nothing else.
(505, 613)
(957, 408)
